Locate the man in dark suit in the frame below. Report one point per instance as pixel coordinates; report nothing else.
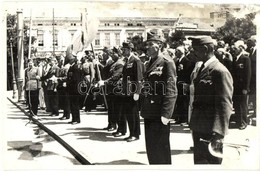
(212, 105)
(251, 49)
(160, 94)
(52, 83)
(242, 76)
(74, 77)
(107, 71)
(184, 68)
(115, 118)
(132, 77)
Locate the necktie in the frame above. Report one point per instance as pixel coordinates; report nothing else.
(202, 66)
(125, 59)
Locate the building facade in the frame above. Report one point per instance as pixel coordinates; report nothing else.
(54, 35)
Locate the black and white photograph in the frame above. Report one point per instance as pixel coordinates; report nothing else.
(129, 85)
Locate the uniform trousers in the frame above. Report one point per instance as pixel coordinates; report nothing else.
(74, 107)
(157, 141)
(53, 102)
(130, 110)
(111, 111)
(64, 102)
(120, 117)
(241, 109)
(201, 151)
(33, 100)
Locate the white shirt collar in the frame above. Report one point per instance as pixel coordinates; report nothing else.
(239, 55)
(213, 58)
(180, 59)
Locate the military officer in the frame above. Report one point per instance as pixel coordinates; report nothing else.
(160, 94)
(212, 104)
(32, 86)
(132, 77)
(113, 99)
(74, 76)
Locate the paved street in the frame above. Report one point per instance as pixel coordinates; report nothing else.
(30, 147)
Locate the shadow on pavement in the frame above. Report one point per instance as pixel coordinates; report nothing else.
(30, 150)
(120, 162)
(94, 134)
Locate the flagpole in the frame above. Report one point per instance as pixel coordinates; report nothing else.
(53, 33)
(83, 16)
(30, 35)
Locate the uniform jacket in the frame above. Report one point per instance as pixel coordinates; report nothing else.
(132, 76)
(31, 83)
(53, 71)
(242, 73)
(115, 74)
(74, 77)
(159, 89)
(212, 105)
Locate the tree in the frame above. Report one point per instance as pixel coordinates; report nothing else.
(237, 29)
(12, 39)
(176, 38)
(11, 42)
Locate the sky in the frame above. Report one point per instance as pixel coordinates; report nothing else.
(164, 9)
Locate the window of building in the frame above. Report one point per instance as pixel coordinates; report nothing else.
(139, 24)
(55, 42)
(40, 37)
(130, 24)
(107, 39)
(97, 40)
(40, 24)
(106, 24)
(117, 38)
(140, 34)
(130, 35)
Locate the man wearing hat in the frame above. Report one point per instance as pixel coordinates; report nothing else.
(212, 105)
(132, 77)
(74, 75)
(160, 94)
(115, 118)
(241, 73)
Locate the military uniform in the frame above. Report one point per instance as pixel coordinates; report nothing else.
(160, 93)
(132, 76)
(32, 87)
(114, 101)
(74, 77)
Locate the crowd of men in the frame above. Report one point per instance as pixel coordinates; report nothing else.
(200, 82)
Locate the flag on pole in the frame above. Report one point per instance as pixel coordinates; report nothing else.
(85, 35)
